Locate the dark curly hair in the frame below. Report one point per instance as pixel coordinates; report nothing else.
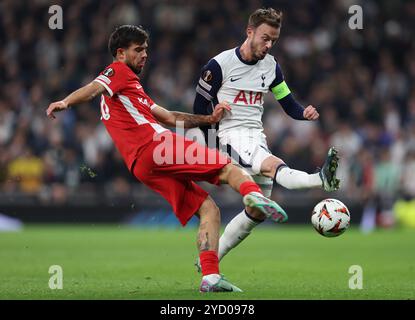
(123, 36)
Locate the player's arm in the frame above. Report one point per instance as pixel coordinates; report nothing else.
(84, 94)
(286, 99)
(171, 118)
(207, 88)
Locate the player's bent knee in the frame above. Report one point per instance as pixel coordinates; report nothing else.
(270, 165)
(209, 209)
(224, 173)
(232, 170)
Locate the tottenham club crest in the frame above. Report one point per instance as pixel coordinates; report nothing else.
(108, 72)
(207, 75)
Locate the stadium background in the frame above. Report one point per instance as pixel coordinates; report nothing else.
(361, 81)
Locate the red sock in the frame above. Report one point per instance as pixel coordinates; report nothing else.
(248, 187)
(209, 262)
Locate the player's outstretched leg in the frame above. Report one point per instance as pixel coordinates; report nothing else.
(328, 171)
(256, 203)
(240, 227)
(237, 230)
(207, 242)
(289, 178)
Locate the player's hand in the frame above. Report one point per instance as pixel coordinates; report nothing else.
(219, 111)
(56, 107)
(310, 113)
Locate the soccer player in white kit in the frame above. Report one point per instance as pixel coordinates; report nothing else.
(241, 76)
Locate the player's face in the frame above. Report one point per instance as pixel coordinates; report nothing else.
(136, 56)
(262, 39)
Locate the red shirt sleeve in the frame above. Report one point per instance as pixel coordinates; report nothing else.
(150, 101)
(113, 78)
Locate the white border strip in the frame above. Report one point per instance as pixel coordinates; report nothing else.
(105, 86)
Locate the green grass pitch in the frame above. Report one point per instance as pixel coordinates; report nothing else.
(281, 262)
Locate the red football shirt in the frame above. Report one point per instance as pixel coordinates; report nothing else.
(126, 112)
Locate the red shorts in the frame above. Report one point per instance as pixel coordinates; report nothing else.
(171, 166)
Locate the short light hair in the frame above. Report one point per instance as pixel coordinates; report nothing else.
(270, 16)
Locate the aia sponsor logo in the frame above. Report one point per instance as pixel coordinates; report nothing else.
(248, 97)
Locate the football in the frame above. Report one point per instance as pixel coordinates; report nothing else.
(330, 217)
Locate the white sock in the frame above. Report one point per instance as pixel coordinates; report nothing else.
(295, 179)
(212, 278)
(235, 231)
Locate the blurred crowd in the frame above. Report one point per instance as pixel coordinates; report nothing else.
(361, 81)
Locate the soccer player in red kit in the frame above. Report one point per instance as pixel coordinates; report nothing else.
(133, 121)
